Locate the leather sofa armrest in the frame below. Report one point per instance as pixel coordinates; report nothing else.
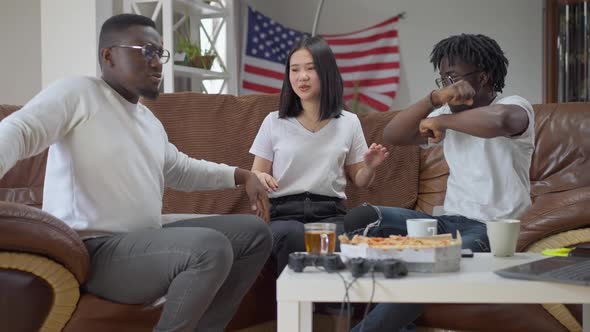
(554, 213)
(30, 230)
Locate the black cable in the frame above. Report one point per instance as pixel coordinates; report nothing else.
(346, 300)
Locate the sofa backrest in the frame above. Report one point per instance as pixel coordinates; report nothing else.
(561, 160)
(396, 180)
(218, 128)
(221, 128)
(24, 182)
(560, 173)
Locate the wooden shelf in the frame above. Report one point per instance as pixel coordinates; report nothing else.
(199, 72)
(209, 20)
(200, 7)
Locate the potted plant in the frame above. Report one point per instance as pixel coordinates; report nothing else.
(193, 55)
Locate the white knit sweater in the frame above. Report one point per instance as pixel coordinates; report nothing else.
(109, 160)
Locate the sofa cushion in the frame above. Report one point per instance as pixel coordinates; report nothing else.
(562, 148)
(173, 217)
(24, 182)
(218, 128)
(554, 213)
(396, 180)
(95, 314)
(560, 180)
(432, 186)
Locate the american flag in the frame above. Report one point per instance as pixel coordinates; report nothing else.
(368, 59)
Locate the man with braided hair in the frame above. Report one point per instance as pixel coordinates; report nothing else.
(488, 142)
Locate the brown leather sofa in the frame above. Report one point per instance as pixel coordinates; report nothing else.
(43, 262)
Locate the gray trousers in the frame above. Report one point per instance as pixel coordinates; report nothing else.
(203, 267)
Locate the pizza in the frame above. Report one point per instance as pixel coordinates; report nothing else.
(400, 242)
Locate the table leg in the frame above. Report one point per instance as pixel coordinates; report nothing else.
(586, 317)
(294, 316)
(306, 316)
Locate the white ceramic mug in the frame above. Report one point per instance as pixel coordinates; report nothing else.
(503, 236)
(421, 227)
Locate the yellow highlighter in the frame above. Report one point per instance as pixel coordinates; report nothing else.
(562, 252)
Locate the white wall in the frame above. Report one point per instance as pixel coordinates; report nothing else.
(517, 25)
(20, 58)
(69, 42)
(46, 40)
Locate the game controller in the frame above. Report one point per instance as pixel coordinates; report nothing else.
(391, 268)
(331, 262)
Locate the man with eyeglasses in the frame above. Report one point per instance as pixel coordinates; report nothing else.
(487, 140)
(109, 161)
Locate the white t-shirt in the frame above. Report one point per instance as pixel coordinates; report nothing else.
(305, 161)
(489, 177)
(109, 159)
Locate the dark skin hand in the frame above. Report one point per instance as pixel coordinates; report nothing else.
(469, 99)
(255, 191)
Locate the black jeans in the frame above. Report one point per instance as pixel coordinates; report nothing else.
(288, 214)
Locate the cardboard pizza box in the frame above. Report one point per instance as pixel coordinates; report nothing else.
(444, 258)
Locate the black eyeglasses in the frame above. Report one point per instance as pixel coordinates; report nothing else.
(442, 82)
(149, 52)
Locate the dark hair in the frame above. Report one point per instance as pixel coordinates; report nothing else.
(112, 27)
(331, 86)
(481, 51)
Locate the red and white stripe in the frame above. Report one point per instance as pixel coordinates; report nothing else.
(368, 58)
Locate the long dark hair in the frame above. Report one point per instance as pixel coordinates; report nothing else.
(331, 86)
(478, 50)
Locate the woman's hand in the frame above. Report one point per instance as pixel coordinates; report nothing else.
(268, 182)
(375, 155)
(363, 172)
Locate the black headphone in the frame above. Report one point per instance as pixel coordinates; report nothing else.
(361, 219)
(375, 223)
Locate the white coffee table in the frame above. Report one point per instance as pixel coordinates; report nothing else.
(475, 283)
